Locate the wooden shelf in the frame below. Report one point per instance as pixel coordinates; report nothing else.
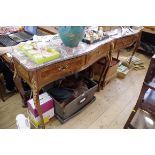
(48, 29)
(149, 29)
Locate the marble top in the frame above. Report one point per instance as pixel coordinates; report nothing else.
(68, 53)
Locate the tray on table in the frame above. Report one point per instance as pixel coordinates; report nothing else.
(40, 58)
(96, 40)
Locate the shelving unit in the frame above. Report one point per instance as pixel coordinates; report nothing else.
(150, 31)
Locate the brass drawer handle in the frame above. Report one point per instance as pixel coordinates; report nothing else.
(59, 68)
(62, 68)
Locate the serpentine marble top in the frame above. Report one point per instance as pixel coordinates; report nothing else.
(68, 53)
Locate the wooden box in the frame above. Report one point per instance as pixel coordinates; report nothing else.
(76, 105)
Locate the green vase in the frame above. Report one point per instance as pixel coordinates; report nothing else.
(71, 35)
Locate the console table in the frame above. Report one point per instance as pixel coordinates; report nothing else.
(71, 61)
(74, 60)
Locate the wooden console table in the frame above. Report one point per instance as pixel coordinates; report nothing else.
(43, 75)
(70, 62)
(128, 41)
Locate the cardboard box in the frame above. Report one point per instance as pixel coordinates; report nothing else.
(46, 103)
(36, 121)
(122, 75)
(47, 106)
(123, 70)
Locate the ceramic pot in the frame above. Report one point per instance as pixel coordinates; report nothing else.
(71, 35)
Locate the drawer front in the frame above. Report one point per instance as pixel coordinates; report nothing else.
(92, 56)
(21, 71)
(61, 69)
(103, 50)
(97, 54)
(125, 42)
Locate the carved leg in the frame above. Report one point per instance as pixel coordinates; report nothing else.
(105, 72)
(35, 90)
(19, 86)
(92, 72)
(101, 75)
(136, 45)
(108, 62)
(118, 52)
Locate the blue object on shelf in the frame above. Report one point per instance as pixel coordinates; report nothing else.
(31, 29)
(71, 35)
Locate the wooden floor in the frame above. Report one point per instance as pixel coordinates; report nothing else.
(110, 110)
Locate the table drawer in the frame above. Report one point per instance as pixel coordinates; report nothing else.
(98, 53)
(22, 72)
(125, 42)
(61, 69)
(92, 57)
(103, 50)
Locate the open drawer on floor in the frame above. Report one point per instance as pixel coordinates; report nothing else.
(67, 111)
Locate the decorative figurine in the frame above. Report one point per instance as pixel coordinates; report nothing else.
(100, 32)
